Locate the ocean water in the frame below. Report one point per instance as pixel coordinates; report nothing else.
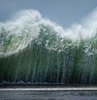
(36, 50)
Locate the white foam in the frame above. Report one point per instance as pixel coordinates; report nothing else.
(27, 23)
(86, 29)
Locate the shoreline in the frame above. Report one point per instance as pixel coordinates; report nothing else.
(48, 89)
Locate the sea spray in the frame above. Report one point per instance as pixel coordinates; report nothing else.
(36, 50)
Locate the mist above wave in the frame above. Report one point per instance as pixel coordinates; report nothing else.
(29, 25)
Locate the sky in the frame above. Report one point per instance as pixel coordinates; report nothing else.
(63, 12)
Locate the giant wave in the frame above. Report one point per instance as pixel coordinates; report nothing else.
(36, 50)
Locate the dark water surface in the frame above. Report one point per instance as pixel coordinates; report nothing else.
(31, 94)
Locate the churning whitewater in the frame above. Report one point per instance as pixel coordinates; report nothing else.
(36, 50)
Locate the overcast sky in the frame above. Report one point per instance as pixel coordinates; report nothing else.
(63, 12)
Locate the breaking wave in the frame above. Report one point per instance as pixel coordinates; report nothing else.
(33, 49)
